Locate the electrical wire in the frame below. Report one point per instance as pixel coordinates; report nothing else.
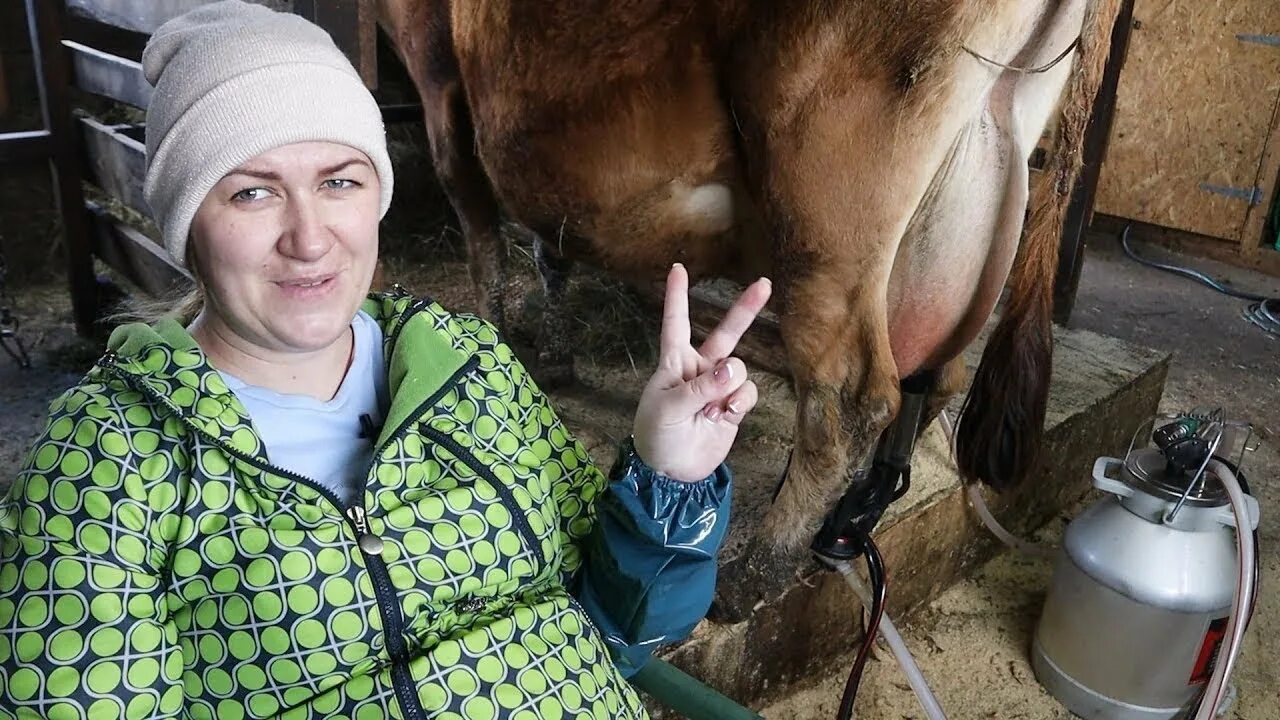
(879, 588)
(1264, 312)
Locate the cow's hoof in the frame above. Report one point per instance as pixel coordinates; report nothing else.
(756, 578)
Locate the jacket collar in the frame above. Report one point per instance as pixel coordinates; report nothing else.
(424, 347)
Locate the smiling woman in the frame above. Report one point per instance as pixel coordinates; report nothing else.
(286, 244)
(314, 501)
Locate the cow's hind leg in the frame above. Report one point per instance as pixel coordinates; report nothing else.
(555, 339)
(463, 179)
(422, 36)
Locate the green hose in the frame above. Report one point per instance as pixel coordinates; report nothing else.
(686, 695)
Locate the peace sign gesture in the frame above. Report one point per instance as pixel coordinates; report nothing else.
(690, 410)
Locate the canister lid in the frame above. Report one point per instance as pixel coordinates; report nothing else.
(1148, 470)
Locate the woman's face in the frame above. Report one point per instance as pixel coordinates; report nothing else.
(286, 246)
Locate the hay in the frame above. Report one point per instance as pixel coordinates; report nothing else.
(612, 321)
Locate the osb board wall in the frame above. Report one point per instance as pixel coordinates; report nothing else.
(1194, 107)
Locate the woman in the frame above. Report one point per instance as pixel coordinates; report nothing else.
(315, 502)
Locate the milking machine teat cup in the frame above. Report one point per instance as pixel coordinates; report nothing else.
(1155, 583)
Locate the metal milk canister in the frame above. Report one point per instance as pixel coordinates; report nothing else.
(1141, 592)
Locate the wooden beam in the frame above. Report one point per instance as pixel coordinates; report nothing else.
(1189, 243)
(142, 16)
(1255, 221)
(353, 26)
(366, 53)
(135, 256)
(108, 75)
(351, 23)
(24, 147)
(105, 38)
(53, 80)
(116, 163)
(400, 113)
(1096, 136)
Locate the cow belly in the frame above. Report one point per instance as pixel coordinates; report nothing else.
(641, 176)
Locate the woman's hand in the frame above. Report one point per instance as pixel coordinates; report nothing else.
(689, 412)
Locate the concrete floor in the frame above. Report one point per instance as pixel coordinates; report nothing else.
(972, 642)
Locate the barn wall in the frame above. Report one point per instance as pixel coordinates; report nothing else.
(29, 229)
(15, 56)
(1195, 109)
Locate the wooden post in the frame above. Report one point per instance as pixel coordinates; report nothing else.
(44, 24)
(1098, 132)
(353, 25)
(1268, 177)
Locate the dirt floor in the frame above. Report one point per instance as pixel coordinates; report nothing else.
(972, 642)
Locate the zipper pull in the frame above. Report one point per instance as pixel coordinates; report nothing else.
(369, 543)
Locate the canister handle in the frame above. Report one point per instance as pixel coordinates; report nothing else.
(1228, 518)
(1101, 479)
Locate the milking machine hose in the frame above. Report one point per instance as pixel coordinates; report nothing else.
(1264, 312)
(984, 512)
(915, 677)
(1241, 599)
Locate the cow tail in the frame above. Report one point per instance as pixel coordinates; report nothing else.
(1002, 423)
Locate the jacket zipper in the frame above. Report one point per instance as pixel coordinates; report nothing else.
(392, 620)
(585, 616)
(504, 492)
(590, 623)
(370, 545)
(403, 319)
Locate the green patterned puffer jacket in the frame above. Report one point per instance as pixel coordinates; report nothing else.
(154, 564)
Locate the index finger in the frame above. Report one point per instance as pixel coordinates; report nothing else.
(721, 341)
(675, 313)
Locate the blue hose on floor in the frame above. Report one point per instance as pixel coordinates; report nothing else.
(1264, 313)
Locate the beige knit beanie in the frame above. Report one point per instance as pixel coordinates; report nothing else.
(234, 80)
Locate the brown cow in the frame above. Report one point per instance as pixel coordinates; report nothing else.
(868, 155)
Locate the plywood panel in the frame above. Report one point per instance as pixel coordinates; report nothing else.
(1193, 110)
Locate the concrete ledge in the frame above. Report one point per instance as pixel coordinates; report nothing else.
(1102, 389)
